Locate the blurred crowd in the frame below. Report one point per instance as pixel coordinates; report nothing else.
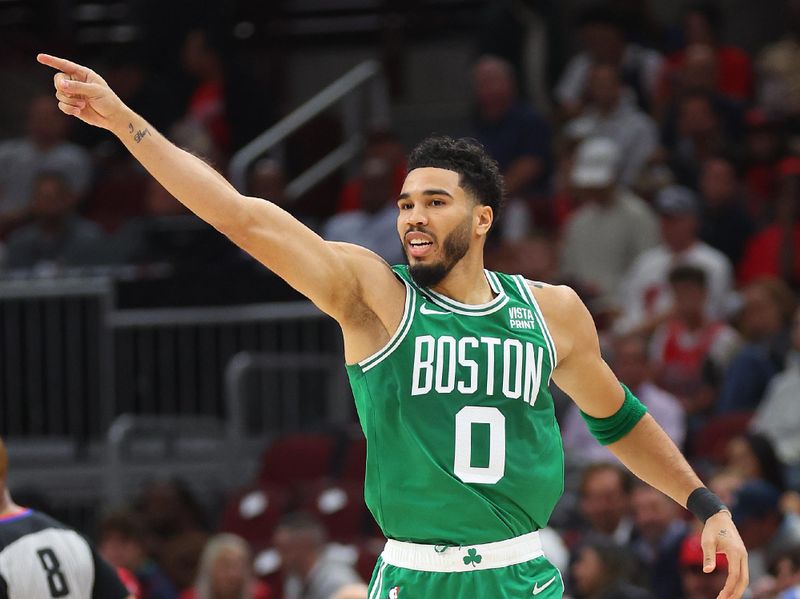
(660, 179)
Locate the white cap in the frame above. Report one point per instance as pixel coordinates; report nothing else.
(596, 163)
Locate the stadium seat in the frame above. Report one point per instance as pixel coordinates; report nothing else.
(296, 459)
(710, 441)
(340, 507)
(355, 461)
(254, 512)
(368, 552)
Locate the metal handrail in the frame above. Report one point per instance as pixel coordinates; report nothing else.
(345, 89)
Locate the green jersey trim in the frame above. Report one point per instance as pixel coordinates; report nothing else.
(399, 334)
(500, 300)
(522, 285)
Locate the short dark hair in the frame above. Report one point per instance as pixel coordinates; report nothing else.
(123, 523)
(304, 522)
(478, 173)
(686, 273)
(625, 480)
(601, 13)
(710, 11)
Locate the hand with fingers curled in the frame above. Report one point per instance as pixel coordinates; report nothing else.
(720, 536)
(84, 94)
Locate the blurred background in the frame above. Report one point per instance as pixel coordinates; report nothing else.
(185, 409)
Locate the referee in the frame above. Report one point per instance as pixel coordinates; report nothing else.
(41, 558)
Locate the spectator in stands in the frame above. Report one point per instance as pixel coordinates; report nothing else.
(725, 224)
(660, 533)
(603, 37)
(267, 180)
(775, 249)
(752, 457)
(180, 557)
(513, 133)
(311, 571)
(778, 416)
(605, 502)
(612, 226)
(56, 236)
(699, 126)
(167, 509)
(689, 344)
(383, 144)
(724, 483)
(779, 68)
(647, 298)
(535, 257)
(764, 321)
(603, 570)
(784, 567)
(696, 583)
(226, 572)
(222, 90)
(703, 23)
(765, 149)
(629, 360)
(608, 113)
(121, 541)
(374, 226)
(763, 527)
(43, 149)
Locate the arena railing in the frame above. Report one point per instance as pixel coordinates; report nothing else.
(70, 361)
(364, 102)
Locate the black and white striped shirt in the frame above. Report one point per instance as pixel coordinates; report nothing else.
(40, 558)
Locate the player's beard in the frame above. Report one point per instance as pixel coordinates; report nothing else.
(455, 247)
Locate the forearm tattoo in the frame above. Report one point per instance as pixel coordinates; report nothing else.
(723, 533)
(140, 134)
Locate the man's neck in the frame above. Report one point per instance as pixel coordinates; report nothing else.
(7, 506)
(466, 283)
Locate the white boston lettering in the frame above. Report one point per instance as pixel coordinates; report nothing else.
(533, 372)
(470, 365)
(490, 343)
(423, 367)
(512, 371)
(445, 381)
(447, 365)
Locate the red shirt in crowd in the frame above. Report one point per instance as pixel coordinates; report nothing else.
(734, 73)
(762, 256)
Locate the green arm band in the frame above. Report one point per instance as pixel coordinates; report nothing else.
(611, 429)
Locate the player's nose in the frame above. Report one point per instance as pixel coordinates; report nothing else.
(416, 215)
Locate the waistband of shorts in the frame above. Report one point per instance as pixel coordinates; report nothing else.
(442, 558)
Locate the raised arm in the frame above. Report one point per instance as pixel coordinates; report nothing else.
(646, 450)
(329, 274)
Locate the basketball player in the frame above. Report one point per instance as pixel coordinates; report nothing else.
(449, 365)
(42, 558)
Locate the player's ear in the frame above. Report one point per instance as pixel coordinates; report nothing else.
(484, 217)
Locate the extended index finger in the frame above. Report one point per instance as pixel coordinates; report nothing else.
(62, 64)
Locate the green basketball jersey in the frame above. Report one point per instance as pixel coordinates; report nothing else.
(462, 442)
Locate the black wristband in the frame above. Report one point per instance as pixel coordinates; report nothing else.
(704, 504)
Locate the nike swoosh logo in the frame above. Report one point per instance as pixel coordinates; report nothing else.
(426, 310)
(538, 589)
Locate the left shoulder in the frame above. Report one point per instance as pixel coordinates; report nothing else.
(545, 293)
(566, 316)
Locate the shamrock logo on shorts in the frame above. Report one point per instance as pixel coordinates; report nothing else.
(472, 557)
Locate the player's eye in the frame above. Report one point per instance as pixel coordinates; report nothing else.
(405, 205)
(437, 202)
